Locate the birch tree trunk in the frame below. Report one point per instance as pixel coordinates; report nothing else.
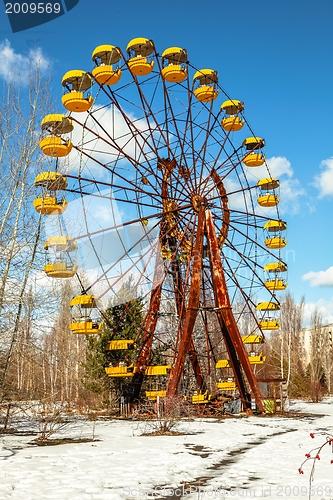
(21, 111)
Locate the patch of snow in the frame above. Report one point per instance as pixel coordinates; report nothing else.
(235, 458)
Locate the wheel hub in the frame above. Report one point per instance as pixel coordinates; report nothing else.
(198, 201)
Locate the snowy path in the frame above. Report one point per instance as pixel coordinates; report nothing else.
(232, 458)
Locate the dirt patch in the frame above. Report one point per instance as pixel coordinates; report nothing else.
(53, 442)
(200, 450)
(16, 432)
(164, 433)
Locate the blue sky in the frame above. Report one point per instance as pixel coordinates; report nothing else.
(276, 56)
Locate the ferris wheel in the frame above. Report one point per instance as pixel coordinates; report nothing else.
(171, 189)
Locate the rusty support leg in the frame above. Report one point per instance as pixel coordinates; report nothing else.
(192, 309)
(180, 298)
(148, 329)
(234, 362)
(192, 353)
(233, 337)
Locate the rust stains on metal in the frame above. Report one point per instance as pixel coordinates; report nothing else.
(229, 326)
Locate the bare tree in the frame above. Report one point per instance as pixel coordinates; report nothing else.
(316, 368)
(21, 111)
(291, 315)
(328, 356)
(286, 350)
(63, 353)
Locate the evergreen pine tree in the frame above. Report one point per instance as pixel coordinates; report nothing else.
(121, 320)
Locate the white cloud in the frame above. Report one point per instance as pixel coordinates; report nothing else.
(107, 149)
(324, 181)
(13, 64)
(320, 278)
(290, 188)
(236, 200)
(279, 165)
(325, 309)
(290, 193)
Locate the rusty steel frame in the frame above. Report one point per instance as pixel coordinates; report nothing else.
(235, 346)
(205, 228)
(180, 304)
(192, 309)
(148, 329)
(237, 353)
(149, 326)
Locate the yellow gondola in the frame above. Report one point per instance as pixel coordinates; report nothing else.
(83, 308)
(57, 124)
(157, 375)
(254, 158)
(276, 267)
(105, 57)
(49, 204)
(120, 371)
(157, 370)
(275, 243)
(223, 363)
(232, 122)
(276, 285)
(268, 200)
(76, 83)
(252, 339)
(138, 51)
(52, 181)
(270, 324)
(60, 270)
(274, 226)
(266, 322)
(226, 386)
(257, 359)
(153, 395)
(253, 143)
(85, 327)
(55, 146)
(122, 344)
(267, 195)
(174, 67)
(62, 266)
(198, 399)
(268, 306)
(268, 184)
(204, 82)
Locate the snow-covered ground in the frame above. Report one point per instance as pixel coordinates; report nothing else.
(230, 458)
